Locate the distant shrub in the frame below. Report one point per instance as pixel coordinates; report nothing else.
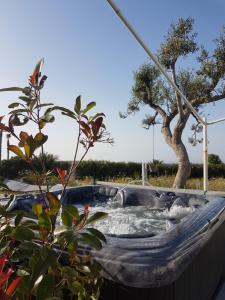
(16, 167)
(104, 170)
(214, 159)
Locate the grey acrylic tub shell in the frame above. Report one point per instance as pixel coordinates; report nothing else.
(157, 261)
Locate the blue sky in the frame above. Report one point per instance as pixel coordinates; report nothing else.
(88, 51)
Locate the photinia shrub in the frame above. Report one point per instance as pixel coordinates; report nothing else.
(39, 258)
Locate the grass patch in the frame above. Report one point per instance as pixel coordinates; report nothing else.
(215, 184)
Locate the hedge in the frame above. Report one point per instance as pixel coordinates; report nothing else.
(103, 170)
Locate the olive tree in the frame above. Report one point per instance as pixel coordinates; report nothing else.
(203, 84)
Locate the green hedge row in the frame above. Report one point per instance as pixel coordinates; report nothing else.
(102, 170)
(15, 167)
(105, 169)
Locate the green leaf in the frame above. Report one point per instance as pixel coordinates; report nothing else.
(16, 121)
(40, 139)
(60, 229)
(12, 89)
(77, 106)
(44, 105)
(22, 233)
(29, 223)
(28, 248)
(15, 149)
(69, 213)
(77, 289)
(18, 218)
(13, 105)
(41, 124)
(91, 240)
(40, 263)
(20, 110)
(67, 219)
(97, 233)
(72, 210)
(44, 221)
(25, 99)
(47, 118)
(70, 236)
(46, 287)
(62, 109)
(88, 107)
(53, 200)
(2, 211)
(29, 147)
(32, 104)
(96, 217)
(92, 118)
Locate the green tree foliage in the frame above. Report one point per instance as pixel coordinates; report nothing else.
(202, 84)
(214, 159)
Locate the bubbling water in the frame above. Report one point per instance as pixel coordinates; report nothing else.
(140, 220)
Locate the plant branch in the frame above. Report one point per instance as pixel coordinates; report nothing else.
(178, 99)
(74, 161)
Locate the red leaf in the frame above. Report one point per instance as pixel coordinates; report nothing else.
(13, 285)
(36, 73)
(96, 125)
(4, 128)
(85, 132)
(84, 126)
(99, 121)
(86, 209)
(24, 136)
(33, 77)
(11, 128)
(3, 261)
(62, 175)
(5, 276)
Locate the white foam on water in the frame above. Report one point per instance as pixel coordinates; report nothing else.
(179, 212)
(131, 220)
(139, 219)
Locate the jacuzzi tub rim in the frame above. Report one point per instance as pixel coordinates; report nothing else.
(118, 258)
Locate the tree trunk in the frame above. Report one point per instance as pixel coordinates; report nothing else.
(184, 166)
(175, 142)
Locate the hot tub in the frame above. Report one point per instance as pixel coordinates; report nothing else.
(182, 261)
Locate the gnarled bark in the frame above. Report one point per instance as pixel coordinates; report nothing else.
(184, 166)
(175, 142)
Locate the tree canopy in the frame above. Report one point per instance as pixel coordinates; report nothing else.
(202, 84)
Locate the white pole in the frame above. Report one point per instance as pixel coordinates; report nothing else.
(144, 173)
(154, 58)
(164, 72)
(0, 145)
(205, 156)
(157, 63)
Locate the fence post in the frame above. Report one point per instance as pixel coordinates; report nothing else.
(144, 173)
(0, 146)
